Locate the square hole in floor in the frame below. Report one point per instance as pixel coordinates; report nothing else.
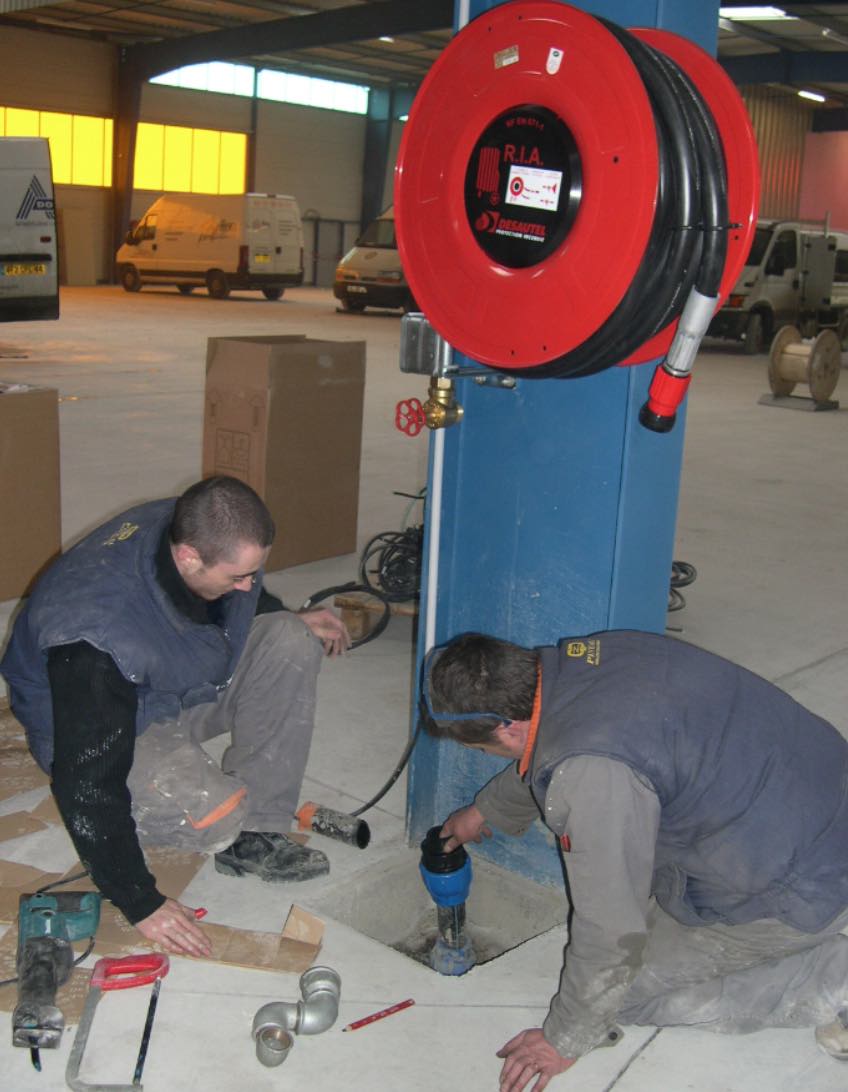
(390, 904)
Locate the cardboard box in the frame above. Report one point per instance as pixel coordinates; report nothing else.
(284, 414)
(30, 503)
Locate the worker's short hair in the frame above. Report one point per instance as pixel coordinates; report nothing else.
(218, 515)
(474, 683)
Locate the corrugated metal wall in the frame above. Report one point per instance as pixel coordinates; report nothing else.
(781, 122)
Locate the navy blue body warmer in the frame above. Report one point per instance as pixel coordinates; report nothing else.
(753, 787)
(104, 591)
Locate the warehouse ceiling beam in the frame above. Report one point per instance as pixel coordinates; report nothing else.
(356, 22)
(785, 67)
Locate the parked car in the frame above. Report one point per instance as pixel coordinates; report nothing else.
(370, 275)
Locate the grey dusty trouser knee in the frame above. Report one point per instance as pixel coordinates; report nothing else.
(739, 978)
(181, 797)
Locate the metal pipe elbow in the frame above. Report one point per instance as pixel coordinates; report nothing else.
(320, 989)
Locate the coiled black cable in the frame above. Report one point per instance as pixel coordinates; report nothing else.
(688, 243)
(682, 574)
(352, 588)
(390, 564)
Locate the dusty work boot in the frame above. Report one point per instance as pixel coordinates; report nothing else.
(833, 1037)
(271, 857)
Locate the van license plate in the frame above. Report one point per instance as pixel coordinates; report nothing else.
(12, 270)
(356, 288)
(260, 258)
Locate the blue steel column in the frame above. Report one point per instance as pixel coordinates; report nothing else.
(557, 517)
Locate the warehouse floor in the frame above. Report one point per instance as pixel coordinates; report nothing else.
(763, 517)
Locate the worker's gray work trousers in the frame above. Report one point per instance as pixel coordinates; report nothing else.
(181, 797)
(739, 978)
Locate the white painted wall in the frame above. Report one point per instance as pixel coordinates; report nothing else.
(316, 155)
(196, 109)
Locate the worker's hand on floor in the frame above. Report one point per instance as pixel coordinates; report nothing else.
(529, 1055)
(465, 825)
(328, 628)
(174, 928)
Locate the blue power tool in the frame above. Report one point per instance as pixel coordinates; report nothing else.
(447, 877)
(47, 927)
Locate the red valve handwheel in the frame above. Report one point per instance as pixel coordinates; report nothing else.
(409, 416)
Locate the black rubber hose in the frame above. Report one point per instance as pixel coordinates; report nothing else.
(687, 246)
(339, 589)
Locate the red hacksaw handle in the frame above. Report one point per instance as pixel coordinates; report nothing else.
(129, 971)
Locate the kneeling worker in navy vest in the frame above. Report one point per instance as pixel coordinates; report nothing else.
(150, 636)
(703, 816)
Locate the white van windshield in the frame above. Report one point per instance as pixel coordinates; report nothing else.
(381, 234)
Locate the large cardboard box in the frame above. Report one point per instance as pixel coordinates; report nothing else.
(30, 503)
(284, 414)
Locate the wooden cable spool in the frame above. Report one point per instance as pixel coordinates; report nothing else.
(792, 360)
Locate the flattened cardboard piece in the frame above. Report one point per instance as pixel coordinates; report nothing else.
(18, 770)
(18, 823)
(47, 812)
(292, 950)
(303, 926)
(288, 951)
(16, 880)
(174, 869)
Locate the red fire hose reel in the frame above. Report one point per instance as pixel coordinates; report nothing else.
(540, 176)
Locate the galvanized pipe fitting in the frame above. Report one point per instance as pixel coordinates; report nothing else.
(275, 1023)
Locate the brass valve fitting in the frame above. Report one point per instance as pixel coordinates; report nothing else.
(441, 410)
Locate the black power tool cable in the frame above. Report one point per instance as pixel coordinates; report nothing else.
(687, 247)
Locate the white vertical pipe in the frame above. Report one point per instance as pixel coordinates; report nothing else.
(437, 466)
(434, 504)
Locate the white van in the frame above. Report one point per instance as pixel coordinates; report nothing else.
(370, 275)
(249, 240)
(29, 273)
(796, 274)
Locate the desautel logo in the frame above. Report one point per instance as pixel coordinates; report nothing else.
(35, 200)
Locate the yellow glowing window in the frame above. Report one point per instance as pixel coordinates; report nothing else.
(167, 157)
(58, 128)
(149, 156)
(87, 156)
(177, 159)
(206, 156)
(233, 155)
(108, 128)
(21, 122)
(80, 145)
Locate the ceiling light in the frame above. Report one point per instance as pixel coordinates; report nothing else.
(813, 96)
(834, 36)
(753, 14)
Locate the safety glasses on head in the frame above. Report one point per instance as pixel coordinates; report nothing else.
(443, 718)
